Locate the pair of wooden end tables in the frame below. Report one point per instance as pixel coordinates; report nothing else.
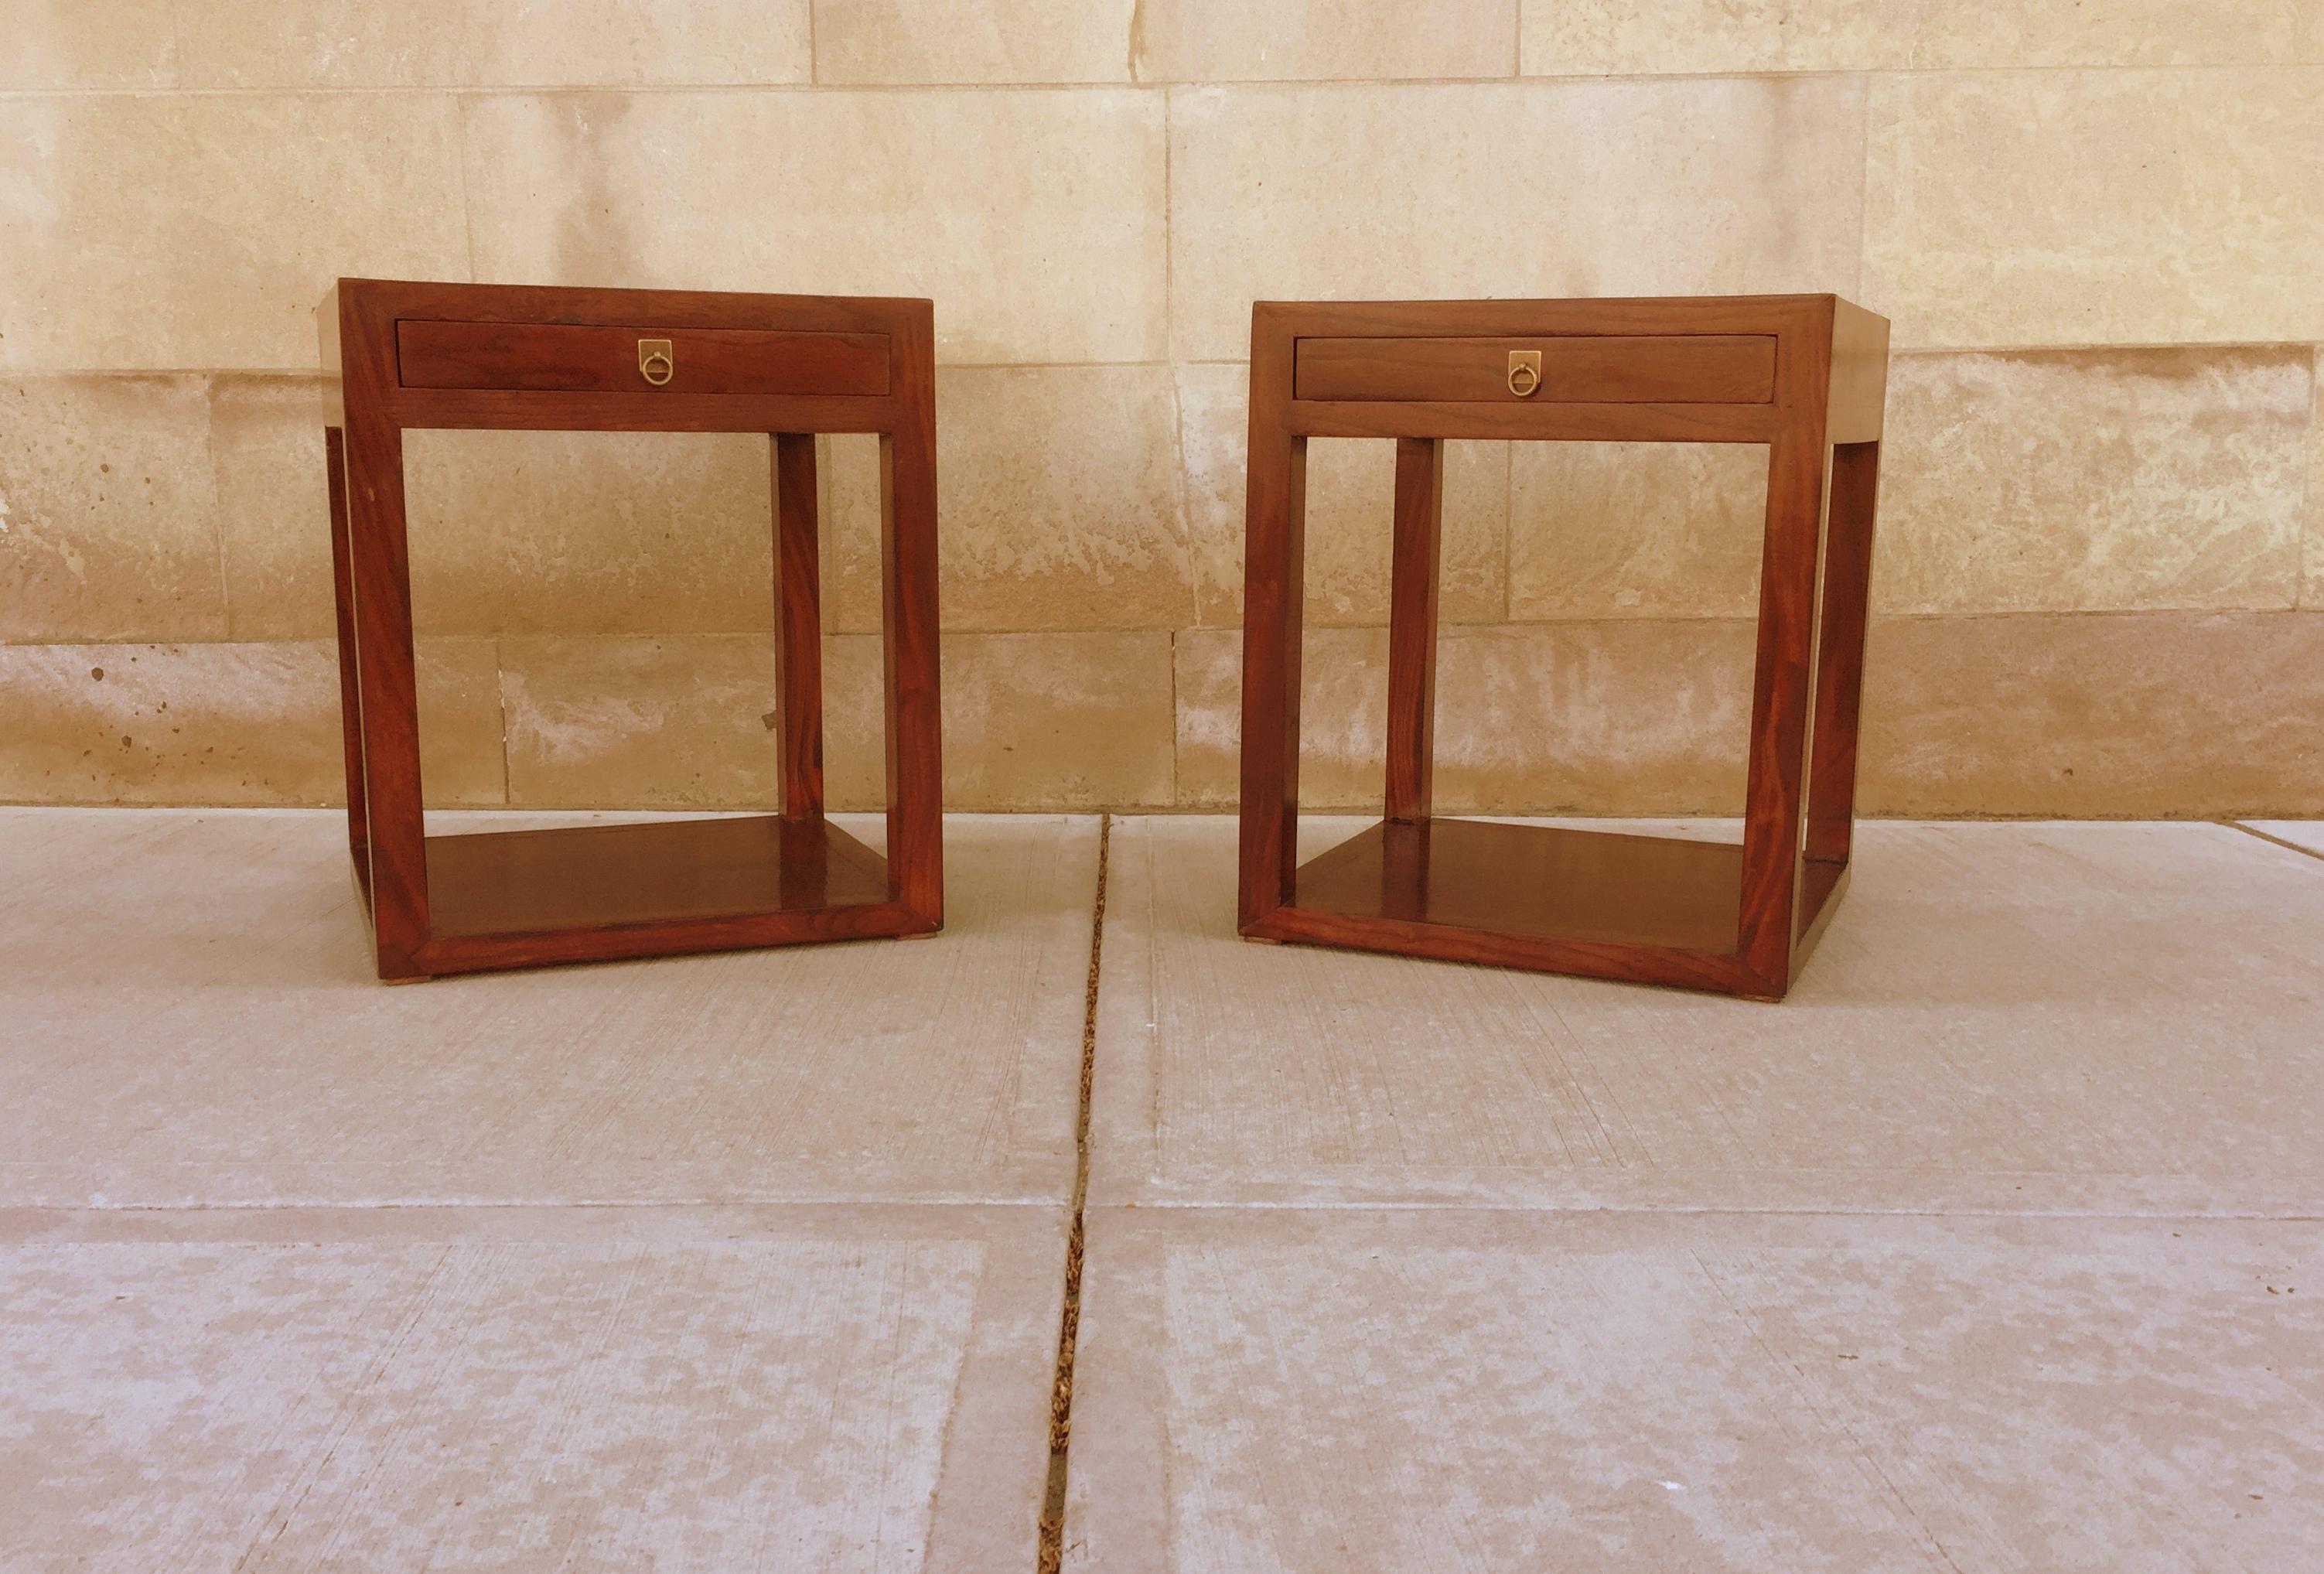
(1805, 376)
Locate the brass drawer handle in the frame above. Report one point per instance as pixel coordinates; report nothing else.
(654, 362)
(1524, 372)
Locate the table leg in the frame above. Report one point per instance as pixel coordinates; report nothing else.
(1271, 635)
(798, 626)
(1412, 626)
(907, 534)
(1839, 675)
(335, 462)
(1782, 697)
(379, 572)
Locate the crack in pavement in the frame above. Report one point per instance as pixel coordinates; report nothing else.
(1052, 1551)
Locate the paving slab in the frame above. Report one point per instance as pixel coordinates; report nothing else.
(713, 1389)
(192, 1018)
(2303, 833)
(2112, 1018)
(1356, 1391)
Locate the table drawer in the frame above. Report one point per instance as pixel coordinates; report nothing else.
(1615, 369)
(561, 357)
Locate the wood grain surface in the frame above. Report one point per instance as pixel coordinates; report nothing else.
(455, 356)
(1798, 373)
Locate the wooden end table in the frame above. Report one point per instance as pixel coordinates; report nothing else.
(471, 356)
(1805, 374)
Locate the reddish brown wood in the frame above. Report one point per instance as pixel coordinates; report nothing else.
(335, 464)
(565, 358)
(535, 357)
(1523, 421)
(1645, 316)
(532, 410)
(1800, 374)
(1822, 882)
(1839, 671)
(379, 567)
(1860, 365)
(1710, 369)
(1412, 626)
(798, 626)
(1534, 880)
(1274, 561)
(654, 872)
(908, 550)
(591, 307)
(1775, 779)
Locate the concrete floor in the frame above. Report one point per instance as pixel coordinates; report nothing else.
(1997, 1247)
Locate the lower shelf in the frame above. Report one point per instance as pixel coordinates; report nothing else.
(606, 876)
(1532, 880)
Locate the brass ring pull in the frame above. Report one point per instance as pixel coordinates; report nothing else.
(1524, 372)
(654, 362)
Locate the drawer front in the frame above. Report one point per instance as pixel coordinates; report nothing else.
(1629, 369)
(559, 357)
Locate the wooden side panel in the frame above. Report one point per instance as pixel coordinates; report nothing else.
(1530, 421)
(1494, 948)
(451, 954)
(647, 410)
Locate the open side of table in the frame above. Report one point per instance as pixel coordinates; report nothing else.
(399, 355)
(1804, 375)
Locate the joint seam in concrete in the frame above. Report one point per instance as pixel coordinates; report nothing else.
(2279, 841)
(1050, 1557)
